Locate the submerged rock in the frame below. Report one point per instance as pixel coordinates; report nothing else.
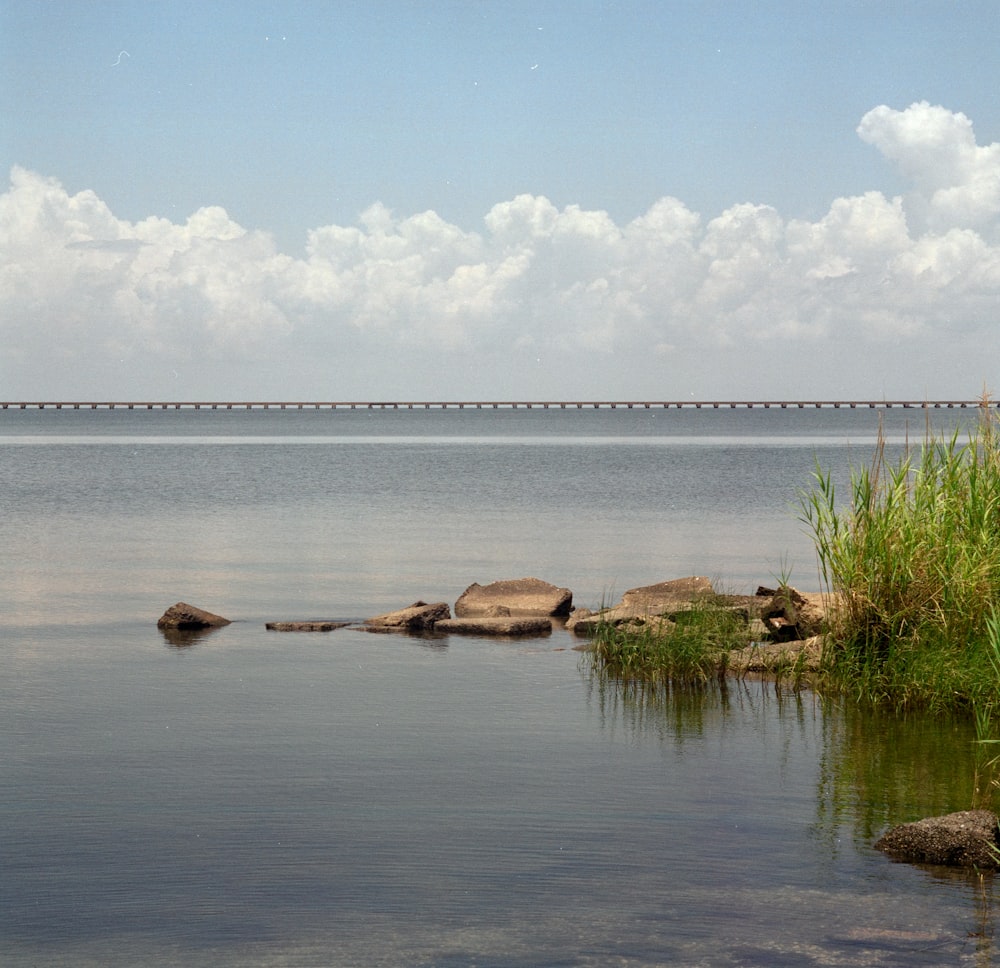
(304, 626)
(418, 617)
(189, 618)
(964, 839)
(518, 596)
(495, 626)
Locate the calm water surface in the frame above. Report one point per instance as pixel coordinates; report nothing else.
(256, 798)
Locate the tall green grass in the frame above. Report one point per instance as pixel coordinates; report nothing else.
(914, 561)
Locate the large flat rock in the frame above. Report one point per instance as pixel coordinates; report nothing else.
(517, 596)
(495, 626)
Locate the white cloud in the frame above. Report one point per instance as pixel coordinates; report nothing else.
(956, 181)
(98, 305)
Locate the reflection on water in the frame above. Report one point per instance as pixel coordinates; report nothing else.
(675, 711)
(874, 769)
(880, 769)
(877, 768)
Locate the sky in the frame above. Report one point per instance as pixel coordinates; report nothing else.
(394, 200)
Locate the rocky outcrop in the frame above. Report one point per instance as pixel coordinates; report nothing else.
(189, 618)
(964, 839)
(304, 626)
(646, 603)
(495, 626)
(418, 617)
(792, 615)
(519, 596)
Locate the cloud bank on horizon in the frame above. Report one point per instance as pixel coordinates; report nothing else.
(540, 302)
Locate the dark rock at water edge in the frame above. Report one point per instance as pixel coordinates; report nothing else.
(790, 615)
(189, 618)
(964, 839)
(517, 596)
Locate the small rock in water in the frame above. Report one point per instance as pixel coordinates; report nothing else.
(964, 839)
(418, 617)
(189, 617)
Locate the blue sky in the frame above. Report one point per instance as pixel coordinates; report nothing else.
(440, 198)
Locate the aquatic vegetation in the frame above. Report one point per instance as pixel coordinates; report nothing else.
(914, 561)
(690, 646)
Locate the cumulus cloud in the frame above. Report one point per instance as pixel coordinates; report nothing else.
(956, 181)
(93, 301)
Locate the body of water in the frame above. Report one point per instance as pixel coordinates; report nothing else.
(261, 798)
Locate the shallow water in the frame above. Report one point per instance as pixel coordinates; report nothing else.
(262, 798)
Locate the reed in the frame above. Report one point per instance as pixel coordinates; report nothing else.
(689, 647)
(914, 561)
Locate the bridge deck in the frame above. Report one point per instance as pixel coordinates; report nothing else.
(487, 404)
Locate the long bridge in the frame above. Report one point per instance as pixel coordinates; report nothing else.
(491, 404)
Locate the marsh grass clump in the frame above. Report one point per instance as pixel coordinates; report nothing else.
(690, 646)
(914, 563)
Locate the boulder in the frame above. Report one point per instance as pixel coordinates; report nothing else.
(519, 596)
(647, 602)
(189, 618)
(792, 615)
(304, 626)
(495, 626)
(964, 839)
(418, 617)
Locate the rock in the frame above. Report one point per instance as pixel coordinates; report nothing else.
(648, 602)
(667, 593)
(519, 596)
(189, 618)
(803, 654)
(495, 626)
(577, 616)
(791, 614)
(304, 626)
(964, 839)
(418, 617)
